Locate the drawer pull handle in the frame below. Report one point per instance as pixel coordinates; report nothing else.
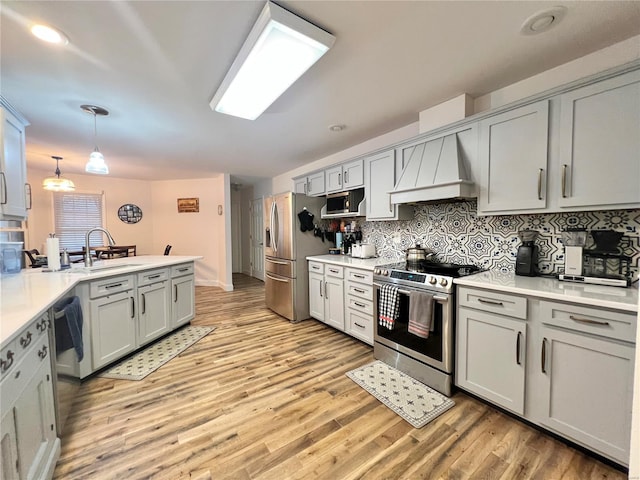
(144, 304)
(315, 267)
(361, 305)
(41, 325)
(5, 364)
(333, 271)
(491, 302)
(543, 358)
(359, 290)
(133, 307)
(183, 269)
(589, 321)
(358, 275)
(113, 285)
(175, 293)
(42, 353)
(358, 325)
(518, 347)
(154, 276)
(26, 340)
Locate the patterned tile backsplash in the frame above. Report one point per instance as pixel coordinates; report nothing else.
(456, 234)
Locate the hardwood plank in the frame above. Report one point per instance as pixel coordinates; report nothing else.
(262, 398)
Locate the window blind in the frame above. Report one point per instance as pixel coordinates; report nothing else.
(74, 214)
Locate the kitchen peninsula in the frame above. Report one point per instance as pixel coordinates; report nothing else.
(126, 304)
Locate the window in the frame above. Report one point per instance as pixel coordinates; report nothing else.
(74, 214)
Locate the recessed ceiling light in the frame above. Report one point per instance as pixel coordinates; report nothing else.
(49, 34)
(337, 128)
(543, 20)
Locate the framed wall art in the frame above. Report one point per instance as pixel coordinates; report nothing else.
(188, 205)
(130, 213)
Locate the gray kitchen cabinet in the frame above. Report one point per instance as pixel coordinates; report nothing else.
(15, 193)
(346, 176)
(379, 180)
(113, 320)
(154, 309)
(359, 304)
(513, 156)
(326, 294)
(599, 144)
(183, 301)
(586, 375)
(312, 184)
(491, 360)
(29, 443)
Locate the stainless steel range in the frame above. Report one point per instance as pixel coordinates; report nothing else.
(430, 359)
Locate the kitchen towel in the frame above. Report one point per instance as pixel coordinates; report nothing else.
(389, 306)
(68, 325)
(53, 253)
(420, 313)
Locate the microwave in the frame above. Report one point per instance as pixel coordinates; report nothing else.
(344, 202)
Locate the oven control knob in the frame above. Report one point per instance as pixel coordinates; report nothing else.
(432, 280)
(443, 282)
(376, 271)
(385, 272)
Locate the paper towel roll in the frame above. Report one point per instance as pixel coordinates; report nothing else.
(53, 254)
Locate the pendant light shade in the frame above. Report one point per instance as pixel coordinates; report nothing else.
(57, 184)
(96, 163)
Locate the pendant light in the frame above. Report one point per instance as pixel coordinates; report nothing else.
(96, 163)
(57, 184)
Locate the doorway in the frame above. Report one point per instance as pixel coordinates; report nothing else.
(256, 239)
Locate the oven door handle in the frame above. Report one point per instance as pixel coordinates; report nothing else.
(407, 292)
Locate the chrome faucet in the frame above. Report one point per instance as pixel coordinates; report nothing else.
(88, 261)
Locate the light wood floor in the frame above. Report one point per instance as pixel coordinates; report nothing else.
(261, 398)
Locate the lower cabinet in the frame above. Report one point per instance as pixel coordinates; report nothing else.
(568, 368)
(113, 327)
(358, 292)
(326, 294)
(183, 301)
(154, 312)
(491, 359)
(29, 445)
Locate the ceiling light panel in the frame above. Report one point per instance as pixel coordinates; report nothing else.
(279, 49)
(49, 34)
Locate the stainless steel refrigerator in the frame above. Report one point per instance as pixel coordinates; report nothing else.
(286, 275)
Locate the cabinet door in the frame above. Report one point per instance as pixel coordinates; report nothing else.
(334, 302)
(316, 295)
(491, 357)
(154, 315)
(8, 446)
(353, 174)
(113, 333)
(379, 180)
(12, 168)
(588, 390)
(513, 159)
(183, 304)
(334, 179)
(315, 184)
(35, 422)
(600, 144)
(300, 185)
(359, 325)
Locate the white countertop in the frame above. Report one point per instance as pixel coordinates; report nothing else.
(617, 298)
(28, 294)
(347, 261)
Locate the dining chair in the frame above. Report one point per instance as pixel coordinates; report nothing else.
(167, 249)
(31, 255)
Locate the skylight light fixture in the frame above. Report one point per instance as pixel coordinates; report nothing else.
(279, 49)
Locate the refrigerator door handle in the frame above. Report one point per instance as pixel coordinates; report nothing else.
(274, 229)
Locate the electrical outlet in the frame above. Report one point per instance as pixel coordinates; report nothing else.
(397, 239)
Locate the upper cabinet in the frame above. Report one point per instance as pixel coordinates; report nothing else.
(15, 193)
(380, 177)
(346, 176)
(513, 157)
(312, 184)
(599, 144)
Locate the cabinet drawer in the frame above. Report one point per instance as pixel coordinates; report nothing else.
(334, 271)
(362, 276)
(108, 286)
(19, 375)
(618, 325)
(360, 290)
(153, 276)
(15, 350)
(494, 302)
(316, 267)
(360, 325)
(9, 358)
(360, 304)
(182, 269)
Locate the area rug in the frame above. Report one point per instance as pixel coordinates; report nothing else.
(157, 354)
(412, 400)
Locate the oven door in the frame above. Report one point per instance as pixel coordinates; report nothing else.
(437, 350)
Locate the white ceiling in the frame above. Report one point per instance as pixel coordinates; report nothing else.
(156, 64)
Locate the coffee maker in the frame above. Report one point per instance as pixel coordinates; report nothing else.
(527, 256)
(574, 241)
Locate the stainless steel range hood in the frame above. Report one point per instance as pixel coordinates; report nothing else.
(434, 171)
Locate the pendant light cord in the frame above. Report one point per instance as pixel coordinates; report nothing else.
(95, 131)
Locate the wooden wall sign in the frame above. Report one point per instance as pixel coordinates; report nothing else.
(188, 205)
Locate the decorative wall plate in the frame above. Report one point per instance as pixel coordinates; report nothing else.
(130, 213)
